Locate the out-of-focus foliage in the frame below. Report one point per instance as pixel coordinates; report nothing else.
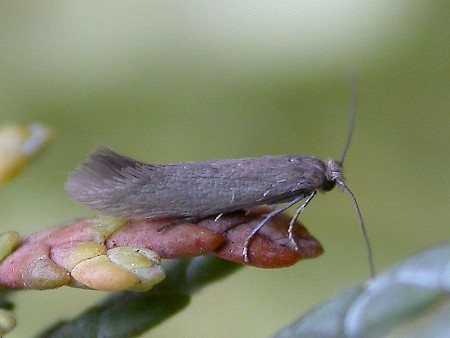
(18, 145)
(410, 300)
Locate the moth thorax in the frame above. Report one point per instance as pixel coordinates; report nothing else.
(333, 175)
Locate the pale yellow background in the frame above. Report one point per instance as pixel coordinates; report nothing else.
(176, 81)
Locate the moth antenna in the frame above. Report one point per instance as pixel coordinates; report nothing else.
(344, 186)
(354, 96)
(341, 182)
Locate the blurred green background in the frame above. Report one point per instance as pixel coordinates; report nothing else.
(189, 81)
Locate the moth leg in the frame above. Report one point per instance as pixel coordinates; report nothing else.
(191, 219)
(219, 216)
(294, 219)
(181, 221)
(266, 219)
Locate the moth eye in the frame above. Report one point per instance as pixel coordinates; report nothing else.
(328, 185)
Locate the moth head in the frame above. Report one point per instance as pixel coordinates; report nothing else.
(333, 175)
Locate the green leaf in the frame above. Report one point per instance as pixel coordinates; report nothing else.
(324, 321)
(410, 300)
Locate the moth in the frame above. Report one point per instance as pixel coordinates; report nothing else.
(122, 187)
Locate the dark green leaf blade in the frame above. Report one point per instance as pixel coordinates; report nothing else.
(128, 314)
